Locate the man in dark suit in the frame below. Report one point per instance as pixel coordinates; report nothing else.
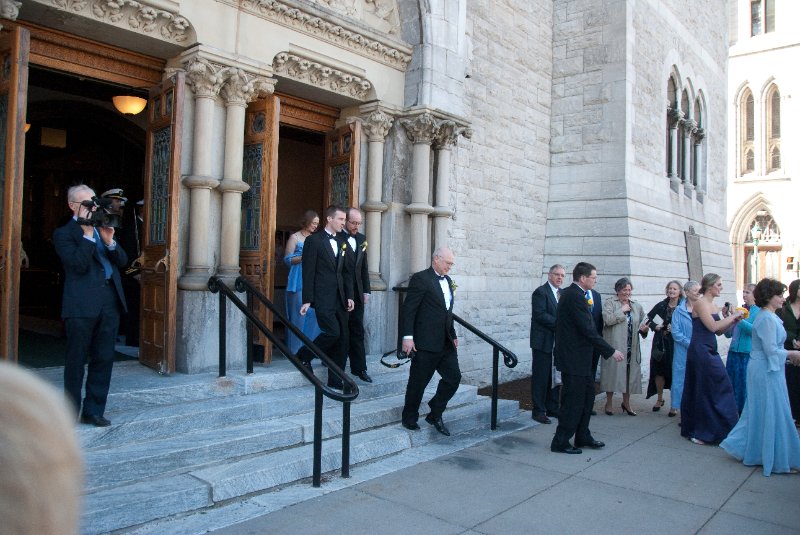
(92, 303)
(543, 327)
(357, 264)
(576, 340)
(427, 329)
(327, 286)
(597, 316)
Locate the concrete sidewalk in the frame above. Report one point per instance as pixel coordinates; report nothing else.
(646, 480)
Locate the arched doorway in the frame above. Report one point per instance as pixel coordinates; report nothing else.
(762, 252)
(75, 136)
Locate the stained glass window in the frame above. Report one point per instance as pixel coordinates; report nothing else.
(159, 189)
(3, 141)
(251, 199)
(340, 177)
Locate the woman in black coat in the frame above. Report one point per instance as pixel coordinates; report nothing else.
(660, 322)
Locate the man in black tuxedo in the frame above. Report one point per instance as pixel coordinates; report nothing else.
(357, 264)
(597, 316)
(543, 327)
(92, 303)
(427, 329)
(328, 287)
(576, 340)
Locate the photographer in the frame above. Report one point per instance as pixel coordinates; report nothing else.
(93, 299)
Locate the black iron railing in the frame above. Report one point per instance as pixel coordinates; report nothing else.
(349, 391)
(509, 358)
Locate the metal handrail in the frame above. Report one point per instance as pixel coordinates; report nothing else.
(509, 357)
(350, 389)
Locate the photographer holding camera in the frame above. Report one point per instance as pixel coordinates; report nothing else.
(93, 299)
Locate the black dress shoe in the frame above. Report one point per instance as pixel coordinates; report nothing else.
(594, 444)
(438, 424)
(413, 426)
(97, 421)
(541, 418)
(568, 449)
(364, 376)
(307, 365)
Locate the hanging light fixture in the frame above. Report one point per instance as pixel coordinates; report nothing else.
(129, 104)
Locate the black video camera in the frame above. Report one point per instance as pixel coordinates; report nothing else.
(100, 216)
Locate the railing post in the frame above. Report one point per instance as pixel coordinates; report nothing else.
(317, 436)
(250, 307)
(495, 364)
(223, 343)
(346, 438)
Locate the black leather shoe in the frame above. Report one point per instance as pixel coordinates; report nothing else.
(364, 376)
(307, 365)
(97, 421)
(413, 426)
(438, 424)
(541, 418)
(569, 449)
(594, 444)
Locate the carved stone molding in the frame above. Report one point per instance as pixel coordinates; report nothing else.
(699, 134)
(204, 77)
(421, 128)
(241, 87)
(379, 14)
(324, 76)
(448, 132)
(377, 125)
(310, 24)
(135, 15)
(9, 9)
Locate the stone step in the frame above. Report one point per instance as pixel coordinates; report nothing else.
(138, 460)
(160, 421)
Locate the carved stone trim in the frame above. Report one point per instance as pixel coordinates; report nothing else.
(241, 87)
(302, 21)
(420, 128)
(9, 9)
(377, 125)
(324, 76)
(135, 15)
(447, 134)
(204, 77)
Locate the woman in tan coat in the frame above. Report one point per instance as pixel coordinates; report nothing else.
(623, 318)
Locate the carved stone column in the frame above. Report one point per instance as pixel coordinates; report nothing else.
(700, 186)
(673, 116)
(688, 126)
(239, 89)
(446, 136)
(205, 79)
(421, 130)
(376, 126)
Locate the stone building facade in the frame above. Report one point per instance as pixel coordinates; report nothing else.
(518, 137)
(762, 128)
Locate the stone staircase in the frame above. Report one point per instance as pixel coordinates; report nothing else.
(192, 444)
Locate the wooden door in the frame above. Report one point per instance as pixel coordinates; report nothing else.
(14, 50)
(160, 235)
(342, 150)
(260, 171)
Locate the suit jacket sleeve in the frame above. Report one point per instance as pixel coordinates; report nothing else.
(75, 251)
(539, 313)
(117, 256)
(416, 291)
(310, 253)
(364, 274)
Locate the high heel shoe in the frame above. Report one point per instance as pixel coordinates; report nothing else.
(627, 411)
(658, 405)
(609, 411)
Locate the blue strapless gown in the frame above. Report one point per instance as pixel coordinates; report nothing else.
(294, 300)
(708, 406)
(765, 435)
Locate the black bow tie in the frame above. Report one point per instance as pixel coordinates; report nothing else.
(331, 236)
(441, 277)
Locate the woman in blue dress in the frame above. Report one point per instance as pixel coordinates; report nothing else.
(765, 434)
(739, 350)
(708, 408)
(294, 286)
(681, 336)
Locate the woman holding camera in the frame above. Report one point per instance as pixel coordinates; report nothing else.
(660, 320)
(765, 435)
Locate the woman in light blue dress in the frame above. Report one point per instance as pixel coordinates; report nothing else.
(294, 285)
(765, 434)
(681, 336)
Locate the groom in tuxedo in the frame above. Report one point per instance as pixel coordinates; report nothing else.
(427, 329)
(575, 343)
(327, 286)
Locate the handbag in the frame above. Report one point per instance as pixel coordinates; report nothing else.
(657, 353)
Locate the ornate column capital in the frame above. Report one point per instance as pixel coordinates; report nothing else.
(9, 9)
(377, 125)
(241, 87)
(205, 78)
(447, 134)
(674, 115)
(699, 134)
(420, 128)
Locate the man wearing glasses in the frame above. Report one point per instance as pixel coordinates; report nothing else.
(544, 301)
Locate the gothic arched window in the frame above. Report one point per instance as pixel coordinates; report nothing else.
(773, 122)
(747, 133)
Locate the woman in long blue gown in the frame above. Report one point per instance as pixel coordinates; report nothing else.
(708, 407)
(765, 434)
(294, 285)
